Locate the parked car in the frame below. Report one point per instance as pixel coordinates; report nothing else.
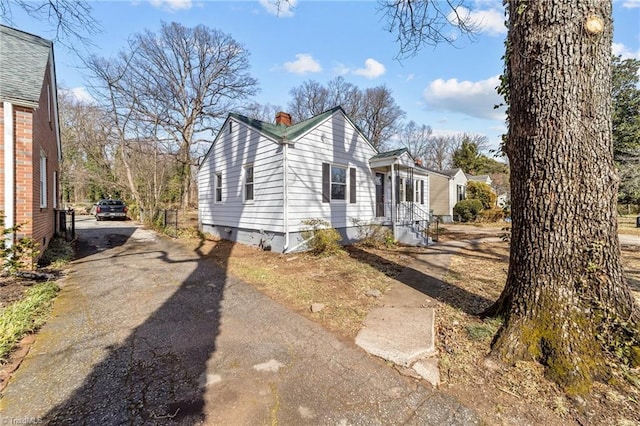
(111, 209)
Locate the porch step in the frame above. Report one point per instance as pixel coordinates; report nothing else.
(408, 235)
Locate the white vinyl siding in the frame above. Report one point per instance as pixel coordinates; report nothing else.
(248, 182)
(228, 156)
(218, 198)
(334, 141)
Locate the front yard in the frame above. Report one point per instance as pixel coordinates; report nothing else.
(518, 395)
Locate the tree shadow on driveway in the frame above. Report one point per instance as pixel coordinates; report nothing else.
(152, 317)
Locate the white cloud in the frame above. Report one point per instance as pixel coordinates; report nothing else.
(631, 4)
(473, 98)
(280, 8)
(372, 69)
(303, 64)
(341, 69)
(620, 49)
(490, 21)
(81, 94)
(172, 5)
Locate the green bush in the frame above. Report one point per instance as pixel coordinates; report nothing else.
(321, 238)
(467, 210)
(58, 253)
(483, 192)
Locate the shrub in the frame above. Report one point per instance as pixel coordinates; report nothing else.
(373, 234)
(491, 215)
(483, 192)
(468, 210)
(58, 253)
(21, 255)
(321, 238)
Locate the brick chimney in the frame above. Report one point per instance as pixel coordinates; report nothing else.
(418, 162)
(283, 118)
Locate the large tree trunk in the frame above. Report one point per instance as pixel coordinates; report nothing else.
(565, 300)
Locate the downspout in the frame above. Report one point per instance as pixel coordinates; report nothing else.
(285, 193)
(394, 208)
(9, 170)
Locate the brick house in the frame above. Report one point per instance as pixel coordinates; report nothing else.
(30, 150)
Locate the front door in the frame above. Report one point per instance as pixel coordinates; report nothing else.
(379, 194)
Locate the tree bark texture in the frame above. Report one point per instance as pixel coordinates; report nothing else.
(565, 300)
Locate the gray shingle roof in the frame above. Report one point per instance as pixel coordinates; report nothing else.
(23, 62)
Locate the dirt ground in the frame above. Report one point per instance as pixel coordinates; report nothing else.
(519, 395)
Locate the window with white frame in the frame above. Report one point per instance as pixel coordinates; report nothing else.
(418, 192)
(54, 190)
(338, 183)
(218, 187)
(248, 182)
(401, 194)
(43, 181)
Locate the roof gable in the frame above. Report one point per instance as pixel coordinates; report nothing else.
(282, 133)
(24, 60)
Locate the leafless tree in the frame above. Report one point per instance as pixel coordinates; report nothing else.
(309, 99)
(380, 117)
(417, 139)
(88, 166)
(71, 19)
(257, 111)
(347, 95)
(177, 84)
(419, 23)
(374, 110)
(440, 151)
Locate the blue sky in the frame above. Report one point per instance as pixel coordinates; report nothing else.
(450, 88)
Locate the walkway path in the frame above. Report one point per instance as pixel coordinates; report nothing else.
(145, 332)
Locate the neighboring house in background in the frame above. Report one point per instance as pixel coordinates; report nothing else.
(30, 150)
(447, 187)
(480, 178)
(260, 181)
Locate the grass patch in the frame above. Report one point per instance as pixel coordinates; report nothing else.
(58, 254)
(483, 331)
(25, 316)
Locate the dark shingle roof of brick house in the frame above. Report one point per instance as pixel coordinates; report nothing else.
(23, 62)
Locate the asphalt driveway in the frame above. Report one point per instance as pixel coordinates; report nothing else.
(147, 332)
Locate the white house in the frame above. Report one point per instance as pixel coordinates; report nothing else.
(260, 181)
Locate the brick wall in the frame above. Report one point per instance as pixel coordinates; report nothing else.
(35, 137)
(2, 171)
(44, 143)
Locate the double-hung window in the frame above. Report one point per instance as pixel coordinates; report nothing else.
(218, 187)
(43, 181)
(460, 192)
(248, 182)
(338, 183)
